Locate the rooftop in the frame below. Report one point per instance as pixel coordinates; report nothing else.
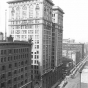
(10, 40)
(57, 8)
(15, 1)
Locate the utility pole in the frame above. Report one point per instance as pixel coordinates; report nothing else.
(80, 78)
(5, 23)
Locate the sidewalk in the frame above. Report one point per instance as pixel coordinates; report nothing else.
(56, 84)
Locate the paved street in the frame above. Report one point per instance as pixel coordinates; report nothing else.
(74, 83)
(83, 79)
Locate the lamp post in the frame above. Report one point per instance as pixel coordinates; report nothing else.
(80, 78)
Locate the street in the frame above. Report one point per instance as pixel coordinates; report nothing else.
(80, 80)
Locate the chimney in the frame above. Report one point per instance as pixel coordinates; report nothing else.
(1, 36)
(9, 39)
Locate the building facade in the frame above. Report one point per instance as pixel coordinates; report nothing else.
(15, 64)
(33, 19)
(74, 51)
(57, 35)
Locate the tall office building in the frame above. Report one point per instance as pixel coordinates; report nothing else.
(57, 35)
(33, 19)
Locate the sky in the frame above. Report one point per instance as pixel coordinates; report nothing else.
(75, 19)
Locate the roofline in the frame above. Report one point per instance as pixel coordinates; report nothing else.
(22, 43)
(27, 0)
(74, 43)
(50, 2)
(9, 2)
(59, 9)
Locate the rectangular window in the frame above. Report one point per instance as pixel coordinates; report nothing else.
(37, 46)
(1, 52)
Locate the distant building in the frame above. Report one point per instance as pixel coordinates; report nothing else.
(74, 51)
(15, 64)
(68, 41)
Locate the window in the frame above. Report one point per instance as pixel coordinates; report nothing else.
(37, 56)
(36, 31)
(4, 51)
(9, 74)
(15, 71)
(30, 21)
(35, 61)
(22, 63)
(30, 11)
(37, 41)
(9, 81)
(17, 31)
(1, 59)
(31, 71)
(15, 86)
(3, 67)
(15, 64)
(37, 46)
(24, 31)
(3, 85)
(37, 52)
(22, 83)
(36, 26)
(10, 51)
(25, 68)
(23, 36)
(1, 52)
(19, 63)
(26, 80)
(26, 62)
(31, 76)
(25, 74)
(24, 13)
(10, 65)
(15, 79)
(3, 76)
(22, 69)
(19, 78)
(18, 12)
(30, 31)
(30, 36)
(22, 76)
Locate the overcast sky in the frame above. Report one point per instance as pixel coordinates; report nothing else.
(75, 18)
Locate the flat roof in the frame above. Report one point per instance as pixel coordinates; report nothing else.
(14, 42)
(15, 1)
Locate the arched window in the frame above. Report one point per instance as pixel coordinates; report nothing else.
(18, 12)
(37, 7)
(24, 7)
(37, 10)
(24, 11)
(30, 11)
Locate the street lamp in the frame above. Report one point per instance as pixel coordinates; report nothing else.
(80, 78)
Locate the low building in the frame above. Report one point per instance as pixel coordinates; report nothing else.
(15, 64)
(75, 51)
